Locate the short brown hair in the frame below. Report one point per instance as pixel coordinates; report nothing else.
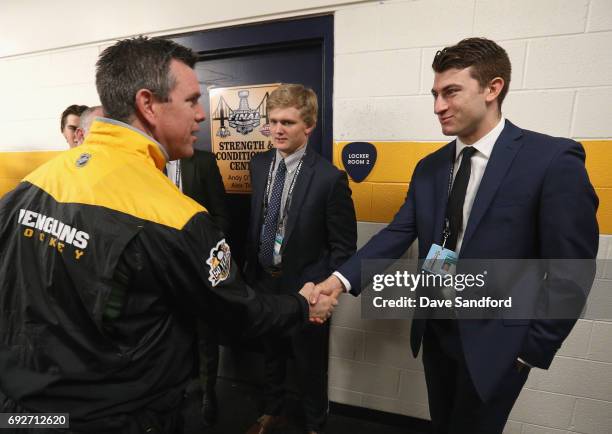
(73, 109)
(133, 64)
(295, 95)
(487, 59)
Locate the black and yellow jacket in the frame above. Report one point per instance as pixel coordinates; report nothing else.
(103, 265)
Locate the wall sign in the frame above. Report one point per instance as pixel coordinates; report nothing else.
(239, 130)
(359, 159)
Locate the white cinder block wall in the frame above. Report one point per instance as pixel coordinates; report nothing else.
(561, 52)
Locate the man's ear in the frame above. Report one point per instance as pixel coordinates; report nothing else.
(310, 129)
(495, 87)
(79, 136)
(145, 106)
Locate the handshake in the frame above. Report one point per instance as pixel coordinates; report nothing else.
(322, 298)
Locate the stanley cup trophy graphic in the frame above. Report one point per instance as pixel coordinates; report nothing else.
(239, 130)
(244, 119)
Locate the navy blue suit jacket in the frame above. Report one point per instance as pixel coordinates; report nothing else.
(321, 230)
(535, 200)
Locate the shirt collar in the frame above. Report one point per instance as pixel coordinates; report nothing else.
(292, 160)
(485, 144)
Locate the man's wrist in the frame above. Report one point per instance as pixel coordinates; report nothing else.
(345, 284)
(518, 359)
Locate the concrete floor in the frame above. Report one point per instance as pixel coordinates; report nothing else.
(239, 408)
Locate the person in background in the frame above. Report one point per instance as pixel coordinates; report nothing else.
(70, 122)
(85, 121)
(302, 225)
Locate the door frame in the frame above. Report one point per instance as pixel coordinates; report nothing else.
(267, 35)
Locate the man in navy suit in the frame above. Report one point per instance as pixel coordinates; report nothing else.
(516, 194)
(302, 226)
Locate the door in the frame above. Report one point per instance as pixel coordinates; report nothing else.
(293, 51)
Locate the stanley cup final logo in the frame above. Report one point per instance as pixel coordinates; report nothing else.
(239, 130)
(244, 119)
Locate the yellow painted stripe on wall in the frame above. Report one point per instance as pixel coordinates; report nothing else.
(380, 195)
(598, 162)
(14, 166)
(362, 198)
(19, 164)
(604, 213)
(378, 198)
(395, 160)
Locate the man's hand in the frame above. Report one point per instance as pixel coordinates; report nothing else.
(332, 286)
(321, 311)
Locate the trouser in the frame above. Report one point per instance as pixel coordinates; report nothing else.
(310, 347)
(454, 404)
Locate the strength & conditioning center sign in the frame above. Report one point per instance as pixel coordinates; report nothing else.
(239, 130)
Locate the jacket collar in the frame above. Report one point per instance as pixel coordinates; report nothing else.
(504, 150)
(299, 193)
(506, 147)
(119, 135)
(301, 189)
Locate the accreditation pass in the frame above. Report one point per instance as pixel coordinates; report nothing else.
(34, 420)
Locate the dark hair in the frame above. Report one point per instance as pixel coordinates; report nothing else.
(133, 64)
(487, 59)
(73, 109)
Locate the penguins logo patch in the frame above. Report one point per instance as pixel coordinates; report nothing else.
(219, 261)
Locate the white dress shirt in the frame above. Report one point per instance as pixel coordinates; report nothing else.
(480, 159)
(173, 172)
(292, 162)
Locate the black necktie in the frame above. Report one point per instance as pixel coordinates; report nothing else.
(454, 207)
(268, 234)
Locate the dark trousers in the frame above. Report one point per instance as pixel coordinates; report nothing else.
(310, 347)
(454, 404)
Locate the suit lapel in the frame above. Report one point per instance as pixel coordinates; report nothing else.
(441, 190)
(302, 183)
(505, 149)
(187, 176)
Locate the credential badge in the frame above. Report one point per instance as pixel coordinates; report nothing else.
(219, 261)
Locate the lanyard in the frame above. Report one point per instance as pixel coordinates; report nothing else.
(177, 174)
(289, 192)
(446, 230)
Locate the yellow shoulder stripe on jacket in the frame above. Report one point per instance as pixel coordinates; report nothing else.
(121, 178)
